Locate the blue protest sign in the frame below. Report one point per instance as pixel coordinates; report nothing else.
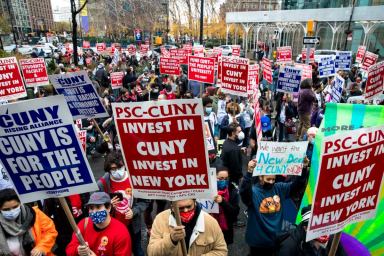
(40, 151)
(289, 79)
(343, 60)
(82, 98)
(337, 89)
(327, 67)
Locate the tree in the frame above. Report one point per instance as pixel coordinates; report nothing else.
(5, 28)
(74, 13)
(62, 26)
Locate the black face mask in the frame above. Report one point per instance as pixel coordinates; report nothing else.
(268, 186)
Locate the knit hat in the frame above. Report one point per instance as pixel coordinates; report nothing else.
(306, 214)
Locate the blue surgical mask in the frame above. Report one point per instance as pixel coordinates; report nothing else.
(11, 214)
(98, 217)
(208, 110)
(222, 184)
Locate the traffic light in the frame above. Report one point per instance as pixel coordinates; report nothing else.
(311, 27)
(274, 54)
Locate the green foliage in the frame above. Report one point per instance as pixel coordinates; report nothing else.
(51, 66)
(4, 54)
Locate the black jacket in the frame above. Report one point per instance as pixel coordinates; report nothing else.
(232, 158)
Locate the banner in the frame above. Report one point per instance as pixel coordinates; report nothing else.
(360, 53)
(198, 50)
(42, 154)
(234, 75)
(369, 59)
(311, 55)
(266, 63)
(11, 83)
(82, 98)
(306, 70)
(34, 72)
(169, 66)
(327, 67)
(100, 47)
(375, 81)
(117, 80)
(253, 78)
(289, 79)
(144, 50)
(267, 75)
(82, 135)
(164, 148)
(343, 60)
(201, 69)
(236, 50)
(188, 48)
(349, 181)
(275, 158)
(337, 89)
(86, 44)
(284, 55)
(164, 52)
(179, 54)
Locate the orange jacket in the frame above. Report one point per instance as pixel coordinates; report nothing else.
(44, 232)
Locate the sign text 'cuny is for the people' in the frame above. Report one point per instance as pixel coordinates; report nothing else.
(11, 83)
(40, 150)
(169, 66)
(234, 75)
(34, 72)
(201, 69)
(164, 148)
(349, 181)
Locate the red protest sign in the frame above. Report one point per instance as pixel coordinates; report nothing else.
(169, 66)
(198, 50)
(163, 144)
(11, 84)
(257, 115)
(234, 75)
(349, 181)
(306, 70)
(201, 69)
(144, 49)
(369, 59)
(179, 54)
(164, 52)
(34, 72)
(132, 49)
(236, 50)
(116, 46)
(360, 53)
(375, 81)
(311, 55)
(284, 54)
(100, 47)
(253, 78)
(86, 44)
(188, 48)
(267, 75)
(88, 61)
(219, 69)
(117, 80)
(82, 135)
(266, 63)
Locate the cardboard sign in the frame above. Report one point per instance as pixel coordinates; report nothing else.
(164, 52)
(86, 44)
(343, 60)
(11, 83)
(253, 78)
(236, 50)
(132, 49)
(360, 53)
(369, 59)
(349, 180)
(284, 54)
(306, 70)
(275, 158)
(117, 80)
(81, 96)
(100, 47)
(311, 55)
(267, 75)
(82, 135)
(144, 49)
(44, 160)
(327, 67)
(201, 69)
(179, 54)
(375, 81)
(289, 79)
(198, 50)
(266, 63)
(164, 148)
(337, 89)
(169, 66)
(234, 75)
(34, 72)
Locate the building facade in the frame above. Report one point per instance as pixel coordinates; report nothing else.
(40, 15)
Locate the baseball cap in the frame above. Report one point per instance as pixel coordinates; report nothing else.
(265, 123)
(99, 198)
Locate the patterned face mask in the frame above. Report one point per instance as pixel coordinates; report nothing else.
(98, 217)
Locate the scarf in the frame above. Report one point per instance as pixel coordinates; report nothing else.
(21, 228)
(220, 217)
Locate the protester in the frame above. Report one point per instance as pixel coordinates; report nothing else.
(24, 230)
(304, 109)
(104, 235)
(285, 114)
(201, 232)
(232, 116)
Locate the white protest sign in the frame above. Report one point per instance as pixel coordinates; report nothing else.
(327, 67)
(280, 158)
(209, 205)
(343, 60)
(337, 89)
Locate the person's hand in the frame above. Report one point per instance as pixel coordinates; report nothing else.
(177, 233)
(91, 253)
(251, 165)
(218, 199)
(115, 200)
(129, 214)
(244, 150)
(37, 252)
(83, 250)
(306, 162)
(92, 139)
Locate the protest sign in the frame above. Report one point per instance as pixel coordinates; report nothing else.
(201, 69)
(234, 75)
(198, 50)
(236, 50)
(164, 148)
(219, 147)
(289, 79)
(138, 35)
(267, 75)
(360, 53)
(82, 135)
(179, 54)
(34, 72)
(11, 83)
(217, 52)
(327, 67)
(86, 44)
(369, 59)
(257, 116)
(343, 60)
(219, 70)
(375, 81)
(266, 63)
(41, 153)
(253, 78)
(284, 55)
(349, 180)
(164, 52)
(211, 144)
(132, 49)
(115, 46)
(79, 124)
(169, 66)
(306, 70)
(337, 89)
(144, 50)
(117, 80)
(100, 47)
(209, 205)
(188, 48)
(81, 96)
(275, 158)
(311, 55)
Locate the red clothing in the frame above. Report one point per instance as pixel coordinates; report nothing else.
(76, 205)
(123, 187)
(170, 95)
(114, 240)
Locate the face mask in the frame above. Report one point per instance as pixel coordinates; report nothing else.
(186, 217)
(118, 174)
(323, 240)
(208, 110)
(98, 217)
(11, 214)
(240, 136)
(267, 186)
(222, 184)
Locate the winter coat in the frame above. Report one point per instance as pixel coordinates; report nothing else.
(44, 232)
